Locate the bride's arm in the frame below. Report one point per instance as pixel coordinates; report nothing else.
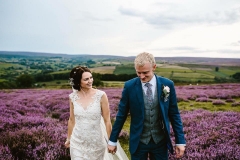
(71, 123)
(106, 114)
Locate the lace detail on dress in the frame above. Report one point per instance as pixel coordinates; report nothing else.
(87, 141)
(73, 96)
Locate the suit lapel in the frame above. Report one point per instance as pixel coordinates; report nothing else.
(160, 100)
(139, 92)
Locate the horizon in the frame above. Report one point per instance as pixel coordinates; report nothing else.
(14, 53)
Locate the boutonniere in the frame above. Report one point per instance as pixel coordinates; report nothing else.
(165, 92)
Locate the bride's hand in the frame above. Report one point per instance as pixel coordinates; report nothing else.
(67, 143)
(112, 149)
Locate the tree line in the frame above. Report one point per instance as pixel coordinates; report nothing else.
(27, 80)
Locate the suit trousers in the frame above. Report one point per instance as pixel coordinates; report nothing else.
(151, 150)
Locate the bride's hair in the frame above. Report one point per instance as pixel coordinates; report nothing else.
(76, 76)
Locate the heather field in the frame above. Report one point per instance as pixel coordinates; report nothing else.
(33, 122)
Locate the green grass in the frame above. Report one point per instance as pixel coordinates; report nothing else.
(173, 70)
(185, 74)
(205, 72)
(164, 74)
(219, 74)
(65, 84)
(192, 105)
(229, 71)
(3, 80)
(6, 65)
(195, 73)
(127, 69)
(59, 72)
(104, 69)
(54, 84)
(192, 75)
(118, 84)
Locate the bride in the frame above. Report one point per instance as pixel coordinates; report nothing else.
(89, 124)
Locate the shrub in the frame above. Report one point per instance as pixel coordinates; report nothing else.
(203, 99)
(55, 115)
(230, 100)
(218, 102)
(236, 104)
(64, 116)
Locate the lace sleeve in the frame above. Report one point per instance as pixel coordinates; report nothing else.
(73, 96)
(99, 95)
(102, 93)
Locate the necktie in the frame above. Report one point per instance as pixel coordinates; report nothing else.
(149, 93)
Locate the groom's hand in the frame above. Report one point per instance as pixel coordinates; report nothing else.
(180, 151)
(112, 149)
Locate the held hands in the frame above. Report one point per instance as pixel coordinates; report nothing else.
(112, 149)
(180, 151)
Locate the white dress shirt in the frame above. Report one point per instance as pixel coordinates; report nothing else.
(153, 82)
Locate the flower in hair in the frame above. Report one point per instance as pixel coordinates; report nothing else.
(71, 81)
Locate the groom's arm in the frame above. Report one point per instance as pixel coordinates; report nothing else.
(175, 119)
(176, 122)
(123, 109)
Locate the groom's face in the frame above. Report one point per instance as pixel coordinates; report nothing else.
(145, 72)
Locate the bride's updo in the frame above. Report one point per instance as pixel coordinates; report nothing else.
(76, 76)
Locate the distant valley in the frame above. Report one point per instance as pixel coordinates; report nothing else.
(50, 70)
(191, 60)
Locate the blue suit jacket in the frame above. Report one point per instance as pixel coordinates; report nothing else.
(132, 100)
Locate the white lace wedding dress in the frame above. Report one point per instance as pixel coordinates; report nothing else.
(89, 137)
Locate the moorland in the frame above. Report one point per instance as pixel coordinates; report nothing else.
(34, 107)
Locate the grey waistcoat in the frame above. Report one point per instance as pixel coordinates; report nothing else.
(152, 126)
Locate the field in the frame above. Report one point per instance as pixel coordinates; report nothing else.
(193, 73)
(113, 83)
(182, 70)
(33, 122)
(56, 84)
(104, 69)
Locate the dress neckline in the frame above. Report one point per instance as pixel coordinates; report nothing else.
(90, 104)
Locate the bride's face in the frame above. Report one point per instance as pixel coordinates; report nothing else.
(87, 80)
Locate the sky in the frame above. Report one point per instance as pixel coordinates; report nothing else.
(165, 28)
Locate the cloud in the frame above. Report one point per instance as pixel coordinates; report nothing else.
(171, 18)
(89, 16)
(130, 12)
(235, 44)
(229, 51)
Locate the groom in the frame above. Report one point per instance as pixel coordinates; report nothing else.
(152, 103)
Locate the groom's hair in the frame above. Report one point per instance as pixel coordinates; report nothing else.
(143, 58)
